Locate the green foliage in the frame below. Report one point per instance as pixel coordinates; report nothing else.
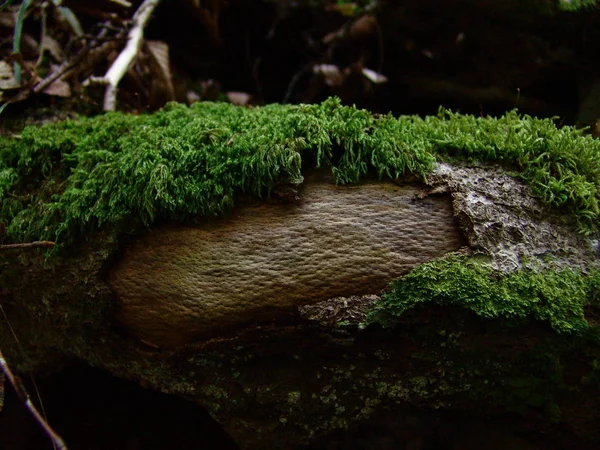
(577, 5)
(68, 178)
(555, 297)
(62, 180)
(593, 288)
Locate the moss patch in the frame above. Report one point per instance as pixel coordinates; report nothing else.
(557, 297)
(62, 180)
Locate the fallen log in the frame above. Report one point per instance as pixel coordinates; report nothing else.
(486, 279)
(177, 284)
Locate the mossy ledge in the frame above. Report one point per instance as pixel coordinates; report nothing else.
(61, 181)
(557, 297)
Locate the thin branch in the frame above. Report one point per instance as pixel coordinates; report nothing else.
(124, 3)
(35, 244)
(127, 55)
(24, 397)
(44, 33)
(85, 57)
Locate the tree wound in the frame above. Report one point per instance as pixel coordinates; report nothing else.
(179, 284)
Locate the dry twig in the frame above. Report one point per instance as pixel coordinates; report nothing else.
(24, 397)
(127, 55)
(85, 58)
(35, 244)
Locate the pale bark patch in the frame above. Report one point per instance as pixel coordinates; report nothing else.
(179, 284)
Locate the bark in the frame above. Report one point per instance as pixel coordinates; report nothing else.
(210, 312)
(178, 284)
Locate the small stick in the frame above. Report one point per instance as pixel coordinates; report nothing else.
(24, 396)
(35, 244)
(88, 56)
(126, 57)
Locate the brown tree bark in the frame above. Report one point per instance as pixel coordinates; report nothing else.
(177, 284)
(239, 314)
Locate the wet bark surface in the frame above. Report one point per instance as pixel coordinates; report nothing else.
(178, 284)
(297, 377)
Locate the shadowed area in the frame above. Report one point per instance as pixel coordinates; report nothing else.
(92, 410)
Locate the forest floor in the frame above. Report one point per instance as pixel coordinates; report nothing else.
(411, 57)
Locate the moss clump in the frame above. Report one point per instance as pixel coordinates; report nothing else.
(62, 180)
(558, 297)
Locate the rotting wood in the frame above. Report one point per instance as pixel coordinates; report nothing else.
(178, 284)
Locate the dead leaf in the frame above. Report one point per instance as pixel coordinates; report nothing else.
(238, 98)
(10, 90)
(29, 43)
(59, 88)
(159, 55)
(50, 44)
(211, 90)
(7, 19)
(330, 37)
(331, 73)
(192, 97)
(374, 77)
(159, 51)
(7, 76)
(364, 26)
(428, 54)
(124, 3)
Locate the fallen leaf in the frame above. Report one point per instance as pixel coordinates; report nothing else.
(50, 44)
(124, 3)
(159, 54)
(374, 77)
(192, 97)
(59, 88)
(211, 90)
(363, 27)
(7, 19)
(331, 73)
(7, 76)
(238, 98)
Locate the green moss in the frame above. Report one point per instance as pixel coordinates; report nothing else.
(555, 297)
(63, 180)
(577, 5)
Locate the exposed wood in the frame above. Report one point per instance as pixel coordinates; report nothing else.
(179, 284)
(220, 286)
